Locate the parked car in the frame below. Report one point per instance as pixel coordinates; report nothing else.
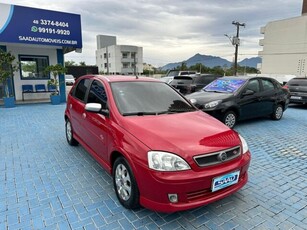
(136, 128)
(230, 99)
(298, 90)
(173, 73)
(69, 79)
(190, 84)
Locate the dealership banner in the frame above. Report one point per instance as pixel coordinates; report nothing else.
(27, 25)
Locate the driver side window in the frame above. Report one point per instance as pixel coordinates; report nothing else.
(97, 94)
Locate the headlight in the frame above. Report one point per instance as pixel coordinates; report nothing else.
(244, 144)
(162, 161)
(212, 104)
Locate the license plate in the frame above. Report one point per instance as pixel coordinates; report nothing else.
(295, 97)
(225, 181)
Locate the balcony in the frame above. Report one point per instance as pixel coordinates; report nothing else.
(262, 30)
(261, 42)
(129, 60)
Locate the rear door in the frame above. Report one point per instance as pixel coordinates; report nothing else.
(269, 96)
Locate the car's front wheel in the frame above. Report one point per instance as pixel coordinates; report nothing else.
(230, 119)
(69, 134)
(278, 112)
(125, 185)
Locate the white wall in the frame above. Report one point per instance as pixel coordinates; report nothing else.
(285, 47)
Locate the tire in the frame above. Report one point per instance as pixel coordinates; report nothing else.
(70, 134)
(230, 119)
(278, 112)
(125, 185)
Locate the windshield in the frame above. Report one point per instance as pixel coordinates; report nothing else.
(224, 85)
(148, 98)
(173, 73)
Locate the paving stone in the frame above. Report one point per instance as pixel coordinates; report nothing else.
(47, 184)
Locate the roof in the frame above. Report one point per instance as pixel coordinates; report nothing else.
(121, 78)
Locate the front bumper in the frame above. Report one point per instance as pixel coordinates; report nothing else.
(193, 188)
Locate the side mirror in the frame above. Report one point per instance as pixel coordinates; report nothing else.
(96, 108)
(248, 92)
(93, 107)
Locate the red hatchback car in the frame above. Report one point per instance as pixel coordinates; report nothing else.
(163, 153)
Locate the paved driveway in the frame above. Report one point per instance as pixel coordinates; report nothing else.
(47, 184)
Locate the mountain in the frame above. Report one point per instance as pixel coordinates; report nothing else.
(250, 62)
(212, 61)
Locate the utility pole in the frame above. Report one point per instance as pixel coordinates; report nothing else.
(236, 43)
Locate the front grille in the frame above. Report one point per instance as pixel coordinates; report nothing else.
(218, 157)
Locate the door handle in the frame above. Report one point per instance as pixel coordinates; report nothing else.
(83, 115)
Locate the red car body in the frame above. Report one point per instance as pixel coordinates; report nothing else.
(186, 134)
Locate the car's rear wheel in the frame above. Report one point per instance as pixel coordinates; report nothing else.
(230, 119)
(69, 134)
(278, 112)
(125, 185)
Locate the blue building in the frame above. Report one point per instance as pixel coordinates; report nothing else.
(37, 38)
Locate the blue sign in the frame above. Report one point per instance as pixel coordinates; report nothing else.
(27, 25)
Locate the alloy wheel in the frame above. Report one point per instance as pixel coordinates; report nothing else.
(123, 182)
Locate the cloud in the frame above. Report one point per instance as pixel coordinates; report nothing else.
(172, 30)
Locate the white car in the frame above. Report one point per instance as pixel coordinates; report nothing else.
(69, 79)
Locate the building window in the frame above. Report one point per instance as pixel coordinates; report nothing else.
(33, 67)
(109, 55)
(105, 55)
(105, 65)
(125, 55)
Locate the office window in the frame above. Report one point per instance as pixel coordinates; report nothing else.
(33, 67)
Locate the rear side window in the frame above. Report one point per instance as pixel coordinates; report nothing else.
(81, 89)
(267, 85)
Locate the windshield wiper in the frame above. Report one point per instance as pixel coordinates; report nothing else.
(139, 113)
(216, 91)
(181, 110)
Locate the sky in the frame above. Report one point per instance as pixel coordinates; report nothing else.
(171, 30)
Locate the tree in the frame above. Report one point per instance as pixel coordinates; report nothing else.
(7, 69)
(70, 63)
(55, 71)
(183, 66)
(82, 63)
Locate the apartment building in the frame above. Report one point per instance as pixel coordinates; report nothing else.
(118, 59)
(285, 46)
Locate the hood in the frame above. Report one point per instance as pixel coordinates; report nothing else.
(185, 134)
(203, 96)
